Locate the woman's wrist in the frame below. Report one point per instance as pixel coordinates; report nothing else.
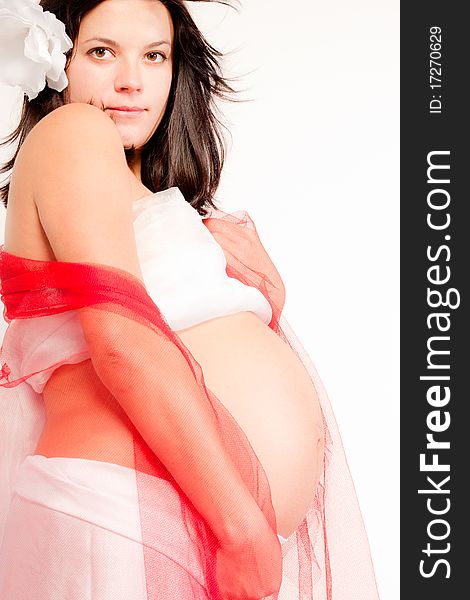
(254, 529)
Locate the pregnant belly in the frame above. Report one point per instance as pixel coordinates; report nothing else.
(266, 388)
(253, 373)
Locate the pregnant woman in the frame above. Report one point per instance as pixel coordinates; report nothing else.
(164, 434)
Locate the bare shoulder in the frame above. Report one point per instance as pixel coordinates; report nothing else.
(75, 133)
(81, 186)
(72, 130)
(78, 117)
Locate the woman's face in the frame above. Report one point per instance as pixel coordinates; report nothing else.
(123, 58)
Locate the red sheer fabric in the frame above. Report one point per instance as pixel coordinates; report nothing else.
(327, 558)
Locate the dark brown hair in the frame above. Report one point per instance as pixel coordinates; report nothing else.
(187, 149)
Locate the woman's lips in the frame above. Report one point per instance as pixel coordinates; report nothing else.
(126, 112)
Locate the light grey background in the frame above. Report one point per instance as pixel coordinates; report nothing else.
(314, 159)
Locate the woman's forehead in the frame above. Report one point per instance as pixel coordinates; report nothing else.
(138, 21)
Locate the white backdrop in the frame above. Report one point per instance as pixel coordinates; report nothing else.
(314, 159)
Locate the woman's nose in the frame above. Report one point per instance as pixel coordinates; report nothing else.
(128, 76)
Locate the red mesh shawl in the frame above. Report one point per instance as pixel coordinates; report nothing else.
(327, 558)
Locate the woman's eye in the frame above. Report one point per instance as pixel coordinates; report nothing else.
(98, 50)
(163, 57)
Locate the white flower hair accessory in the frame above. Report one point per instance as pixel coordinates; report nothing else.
(33, 43)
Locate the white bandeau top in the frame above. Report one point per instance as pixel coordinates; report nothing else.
(184, 273)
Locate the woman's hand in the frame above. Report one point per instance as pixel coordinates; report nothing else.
(250, 570)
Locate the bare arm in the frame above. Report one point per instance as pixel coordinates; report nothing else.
(83, 196)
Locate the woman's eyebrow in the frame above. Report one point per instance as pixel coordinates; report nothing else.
(114, 43)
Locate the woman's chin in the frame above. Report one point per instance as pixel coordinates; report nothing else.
(129, 142)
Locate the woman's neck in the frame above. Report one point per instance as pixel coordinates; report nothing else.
(134, 162)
